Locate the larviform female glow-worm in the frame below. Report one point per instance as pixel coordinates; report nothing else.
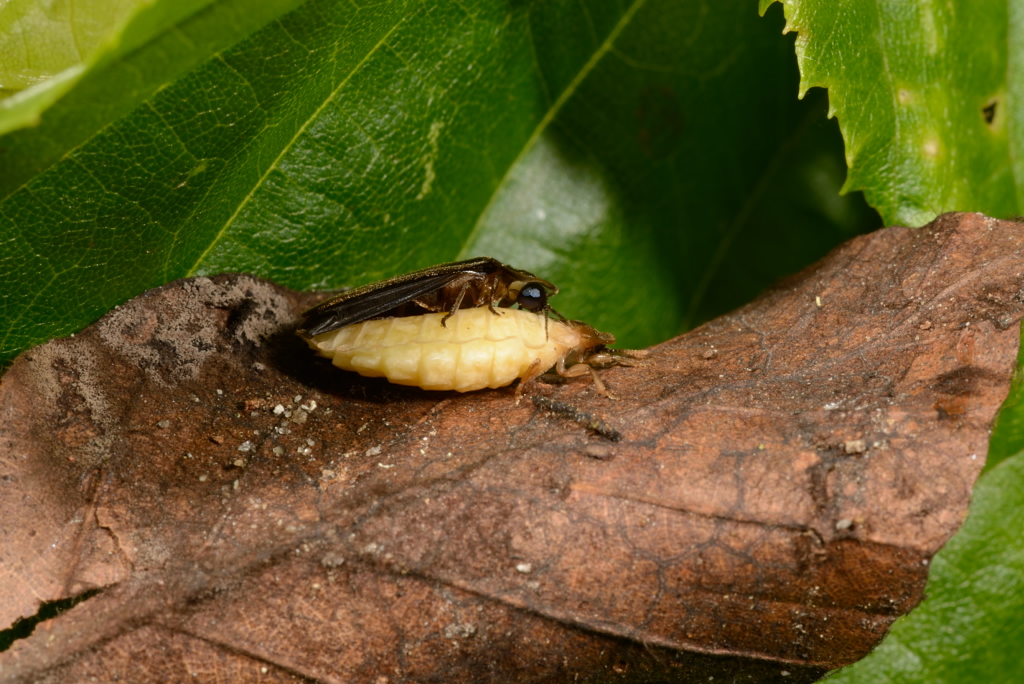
(477, 348)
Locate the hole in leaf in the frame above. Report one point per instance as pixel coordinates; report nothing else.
(24, 627)
(989, 111)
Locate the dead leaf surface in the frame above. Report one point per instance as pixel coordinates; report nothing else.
(783, 477)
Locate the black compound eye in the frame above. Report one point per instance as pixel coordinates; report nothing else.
(532, 297)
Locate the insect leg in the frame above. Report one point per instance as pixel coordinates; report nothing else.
(532, 373)
(573, 371)
(576, 370)
(456, 305)
(618, 357)
(599, 385)
(491, 285)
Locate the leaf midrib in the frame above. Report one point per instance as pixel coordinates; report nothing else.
(548, 117)
(290, 145)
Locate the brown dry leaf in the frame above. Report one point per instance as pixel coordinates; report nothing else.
(783, 477)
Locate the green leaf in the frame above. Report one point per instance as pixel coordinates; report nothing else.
(927, 95)
(39, 40)
(117, 82)
(972, 624)
(649, 157)
(47, 48)
(1008, 434)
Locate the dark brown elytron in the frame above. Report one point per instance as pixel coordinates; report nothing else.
(482, 281)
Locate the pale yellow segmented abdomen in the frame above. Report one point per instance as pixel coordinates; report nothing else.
(475, 349)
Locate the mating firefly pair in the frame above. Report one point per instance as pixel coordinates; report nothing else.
(450, 327)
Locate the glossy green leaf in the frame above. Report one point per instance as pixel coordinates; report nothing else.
(46, 48)
(108, 92)
(1008, 435)
(39, 40)
(928, 98)
(649, 157)
(970, 628)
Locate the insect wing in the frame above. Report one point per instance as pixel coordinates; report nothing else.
(360, 305)
(376, 299)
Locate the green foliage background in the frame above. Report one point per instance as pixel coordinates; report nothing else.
(651, 157)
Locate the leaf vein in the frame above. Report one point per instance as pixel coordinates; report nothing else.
(552, 112)
(289, 146)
